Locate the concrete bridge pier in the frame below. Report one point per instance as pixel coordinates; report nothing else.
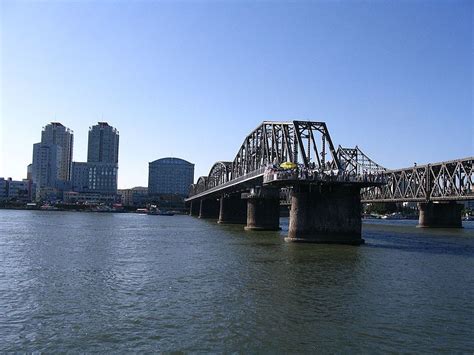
(194, 207)
(209, 208)
(263, 210)
(325, 214)
(233, 210)
(440, 215)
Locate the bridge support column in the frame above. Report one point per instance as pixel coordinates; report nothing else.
(209, 208)
(325, 214)
(440, 215)
(263, 210)
(233, 210)
(194, 208)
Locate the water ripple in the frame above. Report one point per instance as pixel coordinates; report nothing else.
(78, 282)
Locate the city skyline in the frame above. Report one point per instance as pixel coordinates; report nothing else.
(191, 80)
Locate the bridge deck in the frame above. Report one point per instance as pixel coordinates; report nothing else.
(229, 186)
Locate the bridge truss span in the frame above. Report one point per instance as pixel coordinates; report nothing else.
(270, 143)
(446, 181)
(324, 186)
(305, 143)
(356, 162)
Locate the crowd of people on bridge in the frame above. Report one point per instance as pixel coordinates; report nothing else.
(292, 171)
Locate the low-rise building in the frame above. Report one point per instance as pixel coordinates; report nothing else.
(94, 177)
(16, 190)
(89, 197)
(3, 189)
(136, 196)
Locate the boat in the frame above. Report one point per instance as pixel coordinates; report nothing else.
(47, 207)
(395, 215)
(155, 211)
(102, 208)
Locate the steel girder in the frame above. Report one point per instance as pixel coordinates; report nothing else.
(445, 181)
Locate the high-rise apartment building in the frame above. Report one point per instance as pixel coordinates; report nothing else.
(29, 172)
(46, 167)
(170, 176)
(99, 174)
(103, 144)
(55, 133)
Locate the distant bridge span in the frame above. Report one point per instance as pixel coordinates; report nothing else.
(445, 181)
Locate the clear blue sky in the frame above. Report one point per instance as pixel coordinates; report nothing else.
(192, 79)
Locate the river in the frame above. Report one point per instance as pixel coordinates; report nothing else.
(99, 282)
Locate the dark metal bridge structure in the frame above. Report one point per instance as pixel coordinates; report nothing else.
(445, 181)
(324, 186)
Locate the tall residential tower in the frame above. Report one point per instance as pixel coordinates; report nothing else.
(99, 174)
(103, 144)
(55, 133)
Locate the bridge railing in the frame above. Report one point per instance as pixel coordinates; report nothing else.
(272, 175)
(252, 175)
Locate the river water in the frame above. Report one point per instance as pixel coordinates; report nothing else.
(91, 282)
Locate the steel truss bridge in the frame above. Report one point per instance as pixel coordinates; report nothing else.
(446, 181)
(309, 145)
(272, 143)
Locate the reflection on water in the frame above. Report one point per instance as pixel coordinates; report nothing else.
(115, 282)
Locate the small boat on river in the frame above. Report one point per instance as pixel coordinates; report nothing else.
(155, 211)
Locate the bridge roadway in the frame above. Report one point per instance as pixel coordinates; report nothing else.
(325, 185)
(240, 184)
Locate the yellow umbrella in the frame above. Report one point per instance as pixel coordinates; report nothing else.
(288, 165)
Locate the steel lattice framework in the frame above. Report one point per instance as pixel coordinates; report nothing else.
(355, 162)
(278, 142)
(445, 181)
(200, 186)
(301, 142)
(308, 144)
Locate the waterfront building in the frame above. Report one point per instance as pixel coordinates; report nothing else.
(29, 172)
(46, 166)
(57, 134)
(136, 196)
(15, 190)
(18, 190)
(80, 176)
(170, 176)
(89, 197)
(103, 144)
(94, 177)
(3, 189)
